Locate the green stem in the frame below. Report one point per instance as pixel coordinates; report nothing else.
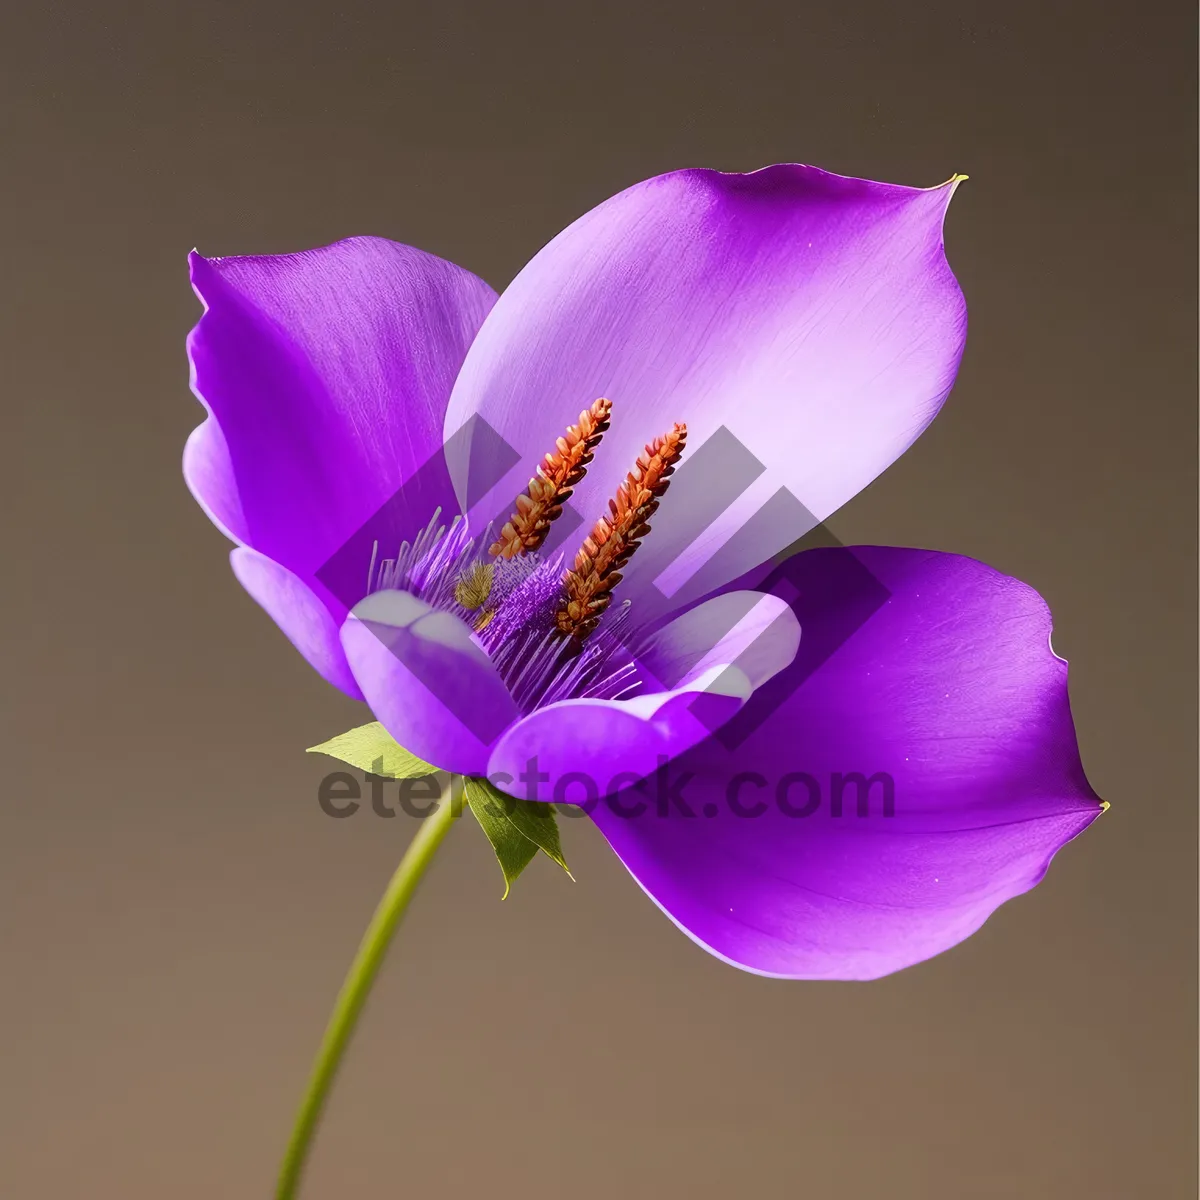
(358, 983)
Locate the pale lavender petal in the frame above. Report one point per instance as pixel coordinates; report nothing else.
(432, 688)
(574, 748)
(759, 633)
(326, 376)
(813, 315)
(300, 613)
(952, 693)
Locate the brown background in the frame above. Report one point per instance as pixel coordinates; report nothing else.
(177, 913)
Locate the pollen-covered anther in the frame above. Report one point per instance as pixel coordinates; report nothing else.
(550, 489)
(588, 586)
(472, 590)
(474, 586)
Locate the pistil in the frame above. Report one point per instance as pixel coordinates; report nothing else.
(589, 584)
(551, 488)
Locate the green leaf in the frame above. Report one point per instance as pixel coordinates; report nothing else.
(371, 748)
(514, 851)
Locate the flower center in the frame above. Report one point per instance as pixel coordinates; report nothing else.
(548, 631)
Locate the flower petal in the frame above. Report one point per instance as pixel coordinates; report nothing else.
(949, 700)
(812, 315)
(604, 745)
(299, 612)
(756, 631)
(326, 376)
(427, 682)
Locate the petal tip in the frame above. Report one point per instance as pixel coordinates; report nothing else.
(200, 275)
(945, 191)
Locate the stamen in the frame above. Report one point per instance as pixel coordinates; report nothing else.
(429, 565)
(550, 489)
(472, 590)
(395, 572)
(601, 670)
(530, 604)
(541, 667)
(475, 585)
(614, 538)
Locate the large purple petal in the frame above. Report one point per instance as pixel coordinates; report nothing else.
(812, 315)
(326, 376)
(949, 698)
(299, 612)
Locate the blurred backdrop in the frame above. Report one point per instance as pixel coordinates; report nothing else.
(177, 913)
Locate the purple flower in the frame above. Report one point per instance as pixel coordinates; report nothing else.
(917, 768)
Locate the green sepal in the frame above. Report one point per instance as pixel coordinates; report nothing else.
(372, 749)
(517, 829)
(514, 851)
(537, 822)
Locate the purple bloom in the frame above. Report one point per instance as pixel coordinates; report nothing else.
(812, 317)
